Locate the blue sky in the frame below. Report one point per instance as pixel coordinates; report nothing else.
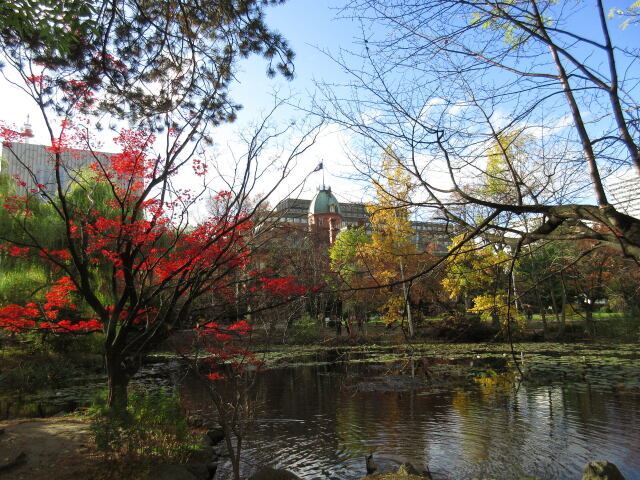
(310, 27)
(313, 29)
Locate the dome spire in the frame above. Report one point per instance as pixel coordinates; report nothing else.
(324, 202)
(27, 132)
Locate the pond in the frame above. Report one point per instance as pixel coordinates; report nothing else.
(457, 409)
(320, 420)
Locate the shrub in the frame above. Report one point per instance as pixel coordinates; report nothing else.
(622, 327)
(460, 327)
(304, 335)
(154, 426)
(43, 341)
(304, 331)
(28, 370)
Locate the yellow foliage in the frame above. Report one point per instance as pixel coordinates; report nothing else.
(392, 234)
(393, 310)
(480, 272)
(505, 160)
(392, 248)
(489, 306)
(473, 267)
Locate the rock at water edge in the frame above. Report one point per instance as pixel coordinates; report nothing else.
(601, 470)
(269, 473)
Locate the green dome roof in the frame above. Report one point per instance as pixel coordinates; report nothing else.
(324, 202)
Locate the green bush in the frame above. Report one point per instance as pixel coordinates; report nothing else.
(620, 327)
(305, 321)
(459, 327)
(304, 335)
(64, 343)
(18, 279)
(304, 330)
(153, 426)
(29, 370)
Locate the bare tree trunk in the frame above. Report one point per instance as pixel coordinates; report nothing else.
(226, 420)
(405, 294)
(517, 300)
(588, 317)
(543, 314)
(235, 459)
(554, 305)
(563, 313)
(495, 319)
(118, 381)
(583, 135)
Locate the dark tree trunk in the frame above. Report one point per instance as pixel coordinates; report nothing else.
(554, 305)
(563, 313)
(588, 317)
(118, 381)
(495, 320)
(543, 315)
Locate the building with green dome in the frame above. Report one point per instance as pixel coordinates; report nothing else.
(325, 216)
(324, 202)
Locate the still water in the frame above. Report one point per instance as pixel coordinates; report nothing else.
(320, 419)
(320, 423)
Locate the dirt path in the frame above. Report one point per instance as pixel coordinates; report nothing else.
(53, 448)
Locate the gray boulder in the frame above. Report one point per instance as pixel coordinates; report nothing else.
(407, 469)
(212, 467)
(204, 454)
(215, 435)
(601, 470)
(171, 472)
(199, 470)
(269, 473)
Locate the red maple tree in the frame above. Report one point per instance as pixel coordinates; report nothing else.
(127, 257)
(132, 265)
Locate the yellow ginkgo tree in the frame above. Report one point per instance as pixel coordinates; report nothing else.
(479, 274)
(392, 252)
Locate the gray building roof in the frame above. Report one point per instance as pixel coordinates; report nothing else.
(33, 164)
(625, 195)
(296, 211)
(324, 202)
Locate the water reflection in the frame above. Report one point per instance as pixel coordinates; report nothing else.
(313, 423)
